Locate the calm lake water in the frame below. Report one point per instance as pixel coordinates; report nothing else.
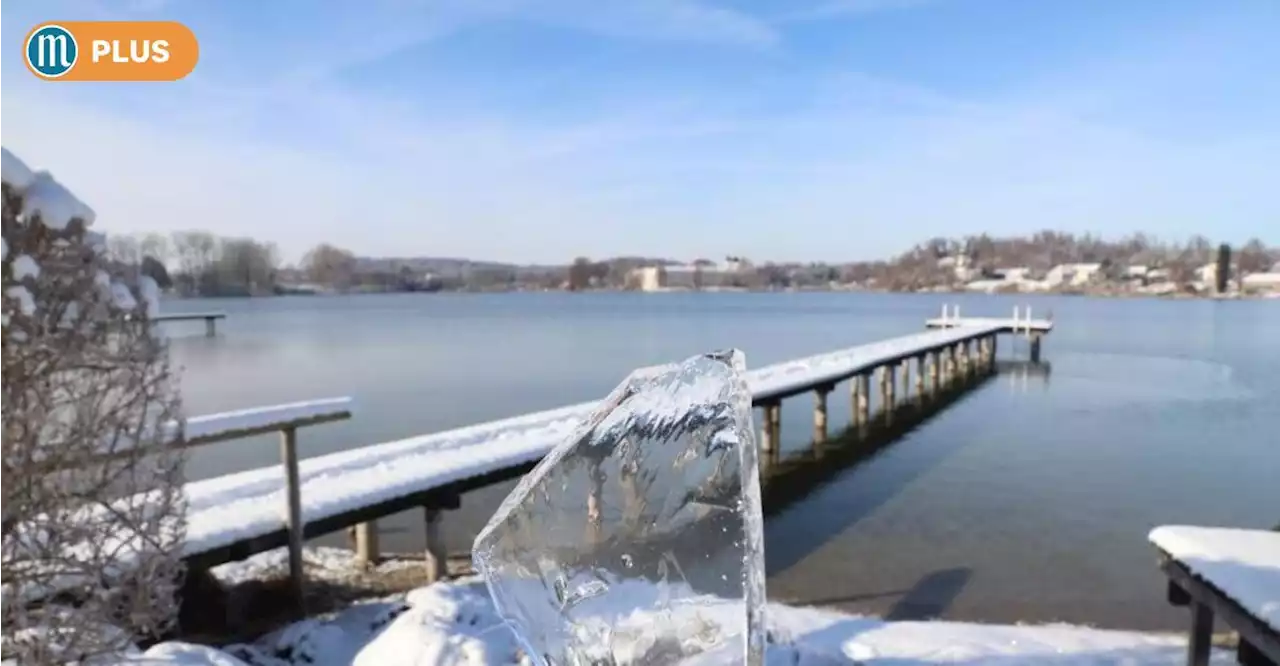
(1028, 499)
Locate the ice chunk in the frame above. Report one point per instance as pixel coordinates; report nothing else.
(24, 266)
(55, 204)
(14, 171)
(639, 539)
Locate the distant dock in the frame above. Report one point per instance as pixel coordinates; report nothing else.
(1019, 323)
(210, 328)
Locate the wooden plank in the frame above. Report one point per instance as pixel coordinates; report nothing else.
(1251, 628)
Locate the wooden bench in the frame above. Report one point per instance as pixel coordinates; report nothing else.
(1232, 574)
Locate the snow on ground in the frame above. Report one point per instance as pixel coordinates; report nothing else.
(229, 508)
(1243, 564)
(455, 624)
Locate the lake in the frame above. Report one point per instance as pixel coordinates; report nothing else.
(1029, 499)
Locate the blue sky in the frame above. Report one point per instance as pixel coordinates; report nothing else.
(778, 129)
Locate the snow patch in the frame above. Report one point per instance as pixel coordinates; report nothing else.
(456, 624)
(26, 302)
(25, 266)
(121, 297)
(150, 293)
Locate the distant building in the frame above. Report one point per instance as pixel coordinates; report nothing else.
(645, 278)
(1073, 275)
(1269, 281)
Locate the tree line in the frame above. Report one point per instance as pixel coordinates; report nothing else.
(199, 263)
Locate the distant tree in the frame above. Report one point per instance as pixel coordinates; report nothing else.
(580, 274)
(157, 246)
(1253, 257)
(1224, 267)
(196, 252)
(92, 499)
(329, 265)
(154, 269)
(124, 249)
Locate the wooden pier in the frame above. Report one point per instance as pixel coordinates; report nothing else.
(238, 515)
(1020, 324)
(209, 319)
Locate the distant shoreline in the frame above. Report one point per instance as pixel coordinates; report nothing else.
(1086, 294)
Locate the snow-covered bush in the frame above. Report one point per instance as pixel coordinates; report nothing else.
(92, 506)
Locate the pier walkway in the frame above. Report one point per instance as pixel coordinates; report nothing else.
(235, 516)
(210, 319)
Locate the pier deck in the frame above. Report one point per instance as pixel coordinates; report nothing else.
(209, 319)
(234, 516)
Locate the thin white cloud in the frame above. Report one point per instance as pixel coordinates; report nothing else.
(825, 9)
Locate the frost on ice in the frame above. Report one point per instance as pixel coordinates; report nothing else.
(639, 539)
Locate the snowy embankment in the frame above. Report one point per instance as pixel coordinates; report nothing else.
(455, 624)
(230, 508)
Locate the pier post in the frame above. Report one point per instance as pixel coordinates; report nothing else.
(293, 513)
(920, 377)
(861, 398)
(932, 358)
(994, 348)
(366, 537)
(772, 426)
(890, 381)
(820, 414)
(209, 327)
(434, 554)
(1035, 347)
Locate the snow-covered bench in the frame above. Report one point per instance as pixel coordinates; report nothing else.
(1233, 574)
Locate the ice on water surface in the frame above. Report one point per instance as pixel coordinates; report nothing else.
(639, 539)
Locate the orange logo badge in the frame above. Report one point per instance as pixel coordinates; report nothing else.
(111, 51)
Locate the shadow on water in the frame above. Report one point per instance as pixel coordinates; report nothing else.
(790, 480)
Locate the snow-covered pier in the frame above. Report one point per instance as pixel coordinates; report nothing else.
(1020, 323)
(238, 515)
(210, 319)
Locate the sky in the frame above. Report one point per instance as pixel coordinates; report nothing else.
(805, 130)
